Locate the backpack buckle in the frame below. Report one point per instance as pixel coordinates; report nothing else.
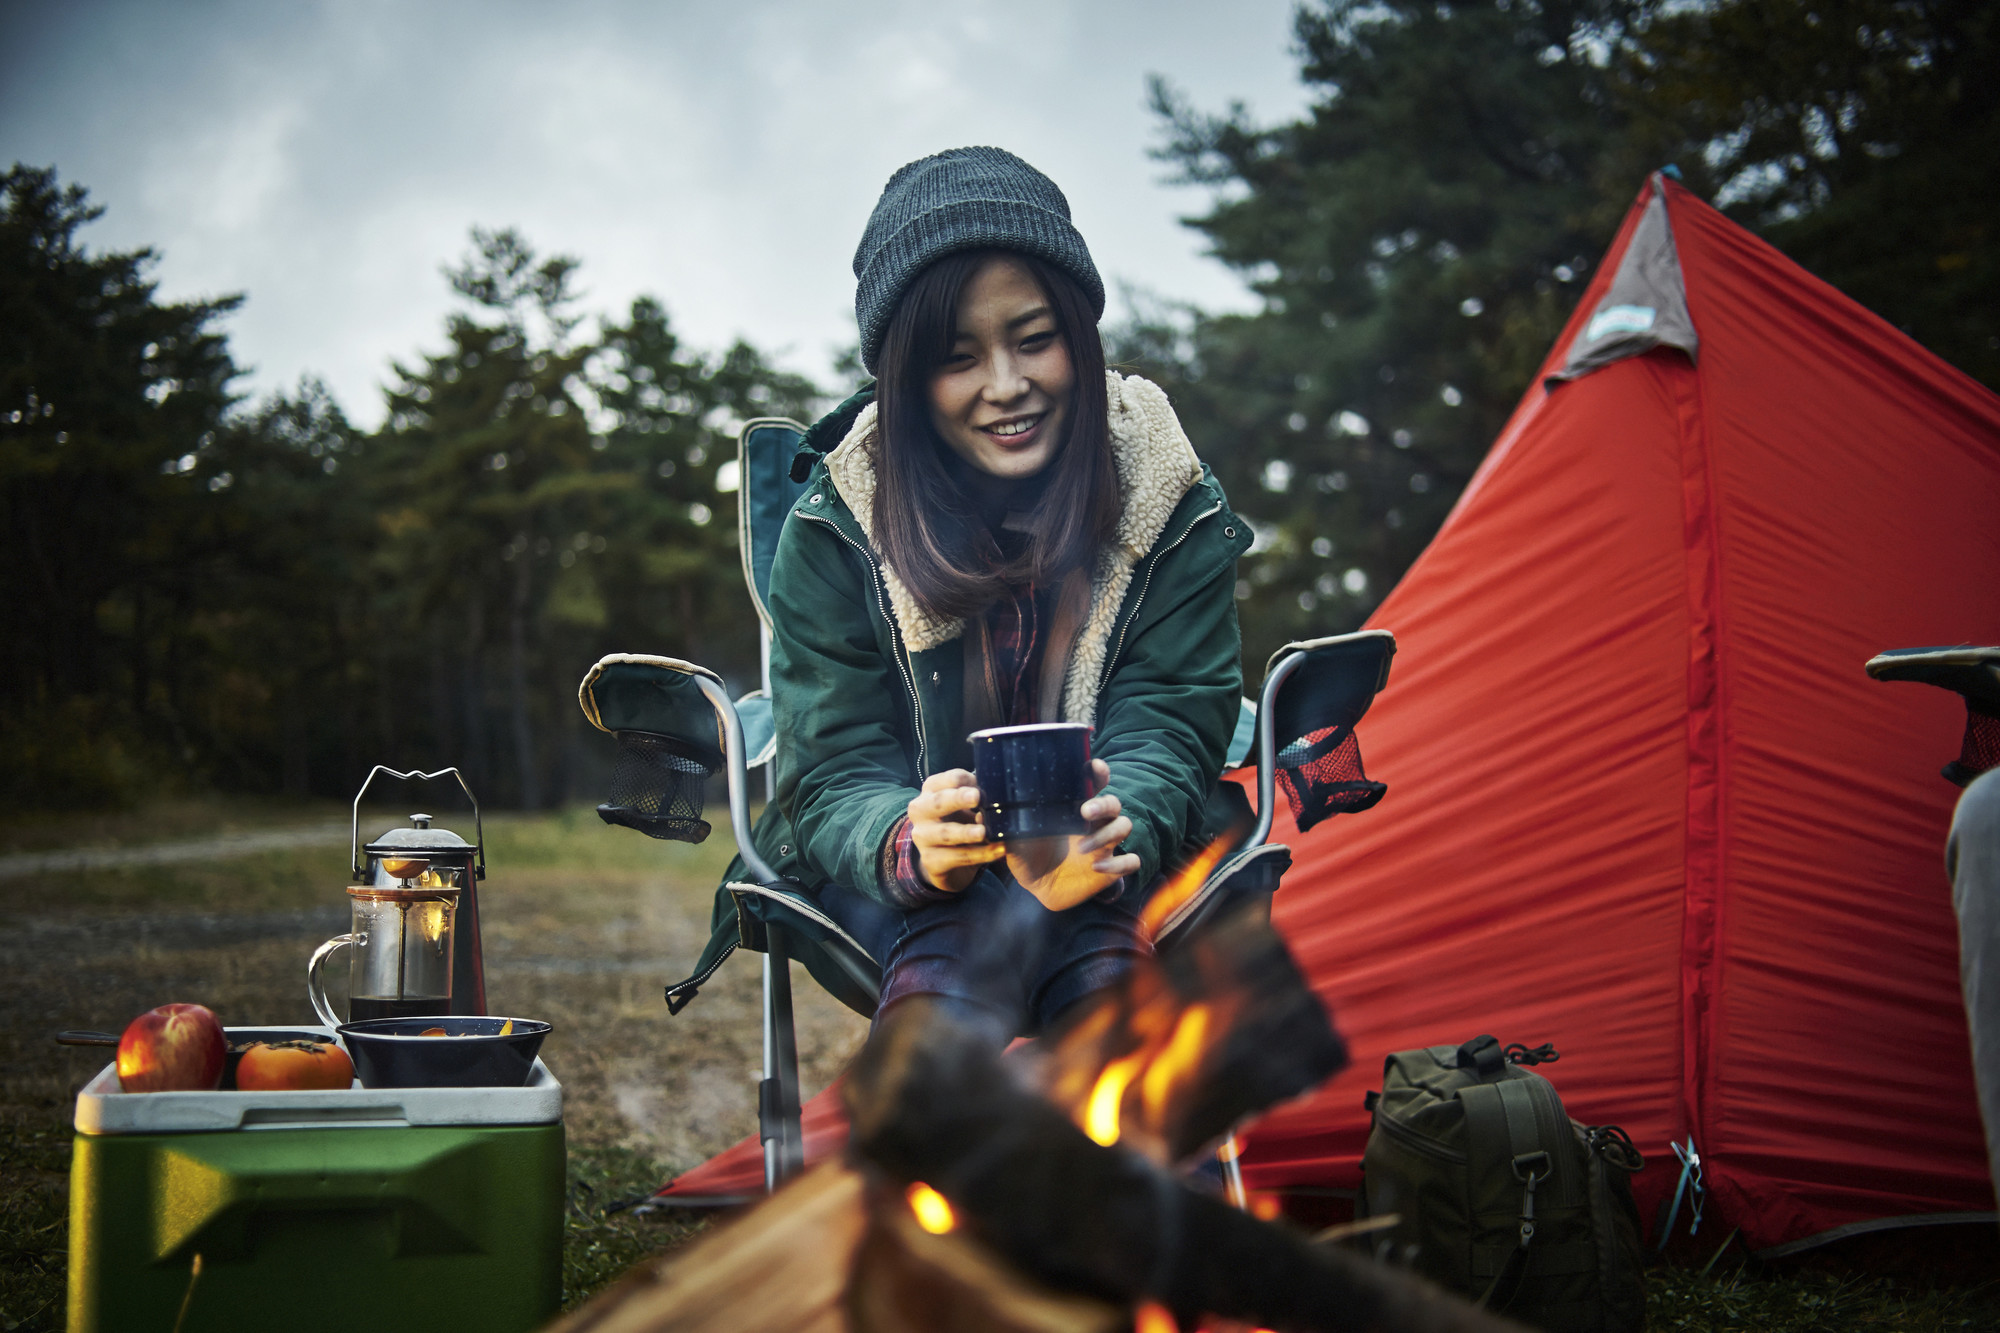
(1531, 1169)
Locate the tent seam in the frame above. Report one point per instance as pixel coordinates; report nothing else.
(1704, 856)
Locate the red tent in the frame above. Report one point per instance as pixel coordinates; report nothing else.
(1643, 802)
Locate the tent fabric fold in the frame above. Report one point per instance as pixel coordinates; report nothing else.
(1644, 803)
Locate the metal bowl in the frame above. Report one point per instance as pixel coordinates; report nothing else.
(394, 1053)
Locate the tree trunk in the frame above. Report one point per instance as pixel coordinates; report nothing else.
(142, 675)
(292, 739)
(476, 759)
(440, 683)
(517, 684)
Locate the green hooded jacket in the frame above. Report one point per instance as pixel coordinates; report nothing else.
(869, 692)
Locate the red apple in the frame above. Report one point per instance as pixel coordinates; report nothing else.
(174, 1048)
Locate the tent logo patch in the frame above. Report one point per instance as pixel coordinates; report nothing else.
(1620, 319)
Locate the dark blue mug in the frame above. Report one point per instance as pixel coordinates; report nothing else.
(1033, 780)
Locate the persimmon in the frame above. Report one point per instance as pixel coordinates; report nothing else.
(276, 1066)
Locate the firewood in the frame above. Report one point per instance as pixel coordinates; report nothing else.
(780, 1268)
(907, 1280)
(928, 1104)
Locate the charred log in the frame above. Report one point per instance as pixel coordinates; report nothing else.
(929, 1104)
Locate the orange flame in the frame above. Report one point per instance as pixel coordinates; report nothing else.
(1169, 897)
(933, 1211)
(1153, 1317)
(1176, 1064)
(1124, 1067)
(1107, 1097)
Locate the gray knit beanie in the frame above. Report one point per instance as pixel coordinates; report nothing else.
(961, 199)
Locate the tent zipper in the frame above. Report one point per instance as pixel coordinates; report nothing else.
(1153, 563)
(902, 654)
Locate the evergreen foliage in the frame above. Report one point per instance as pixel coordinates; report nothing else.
(1420, 235)
(268, 599)
(110, 407)
(1859, 136)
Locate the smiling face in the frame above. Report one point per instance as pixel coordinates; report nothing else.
(1001, 398)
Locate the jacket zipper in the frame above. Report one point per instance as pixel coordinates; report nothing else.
(1421, 1144)
(1145, 583)
(902, 654)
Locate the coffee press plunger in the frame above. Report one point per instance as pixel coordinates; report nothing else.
(415, 902)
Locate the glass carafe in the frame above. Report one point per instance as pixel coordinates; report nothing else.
(399, 960)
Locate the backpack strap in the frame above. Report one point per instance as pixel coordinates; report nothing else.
(1501, 1126)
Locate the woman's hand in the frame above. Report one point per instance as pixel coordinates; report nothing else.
(1063, 872)
(951, 842)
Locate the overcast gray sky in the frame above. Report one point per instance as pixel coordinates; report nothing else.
(326, 158)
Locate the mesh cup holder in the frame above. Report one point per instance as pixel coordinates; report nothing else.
(1322, 777)
(1980, 749)
(657, 787)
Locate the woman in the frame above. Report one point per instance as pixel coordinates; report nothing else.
(1001, 532)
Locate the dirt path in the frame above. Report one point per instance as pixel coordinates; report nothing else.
(225, 846)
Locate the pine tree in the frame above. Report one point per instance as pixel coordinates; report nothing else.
(1417, 239)
(110, 406)
(672, 415)
(1859, 136)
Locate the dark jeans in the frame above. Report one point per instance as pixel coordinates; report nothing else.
(999, 959)
(1972, 859)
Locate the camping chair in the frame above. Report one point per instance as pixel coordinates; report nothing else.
(676, 726)
(1974, 674)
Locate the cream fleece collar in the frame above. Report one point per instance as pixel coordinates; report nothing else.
(1156, 466)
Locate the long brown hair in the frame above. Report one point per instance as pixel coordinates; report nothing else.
(925, 525)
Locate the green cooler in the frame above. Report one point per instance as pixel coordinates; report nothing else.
(366, 1209)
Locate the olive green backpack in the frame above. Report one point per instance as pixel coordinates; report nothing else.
(1500, 1195)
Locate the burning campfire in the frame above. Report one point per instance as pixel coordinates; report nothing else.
(1038, 1190)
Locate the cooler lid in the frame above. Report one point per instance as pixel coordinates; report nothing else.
(102, 1109)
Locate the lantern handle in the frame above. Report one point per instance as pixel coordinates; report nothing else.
(354, 827)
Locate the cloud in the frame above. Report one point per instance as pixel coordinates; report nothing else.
(327, 159)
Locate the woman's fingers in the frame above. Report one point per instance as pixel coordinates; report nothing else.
(1100, 775)
(1117, 867)
(938, 861)
(946, 833)
(1110, 835)
(1102, 806)
(943, 803)
(950, 778)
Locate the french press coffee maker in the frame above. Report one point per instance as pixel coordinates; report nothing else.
(414, 939)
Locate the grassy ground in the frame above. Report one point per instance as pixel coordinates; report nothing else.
(583, 924)
(1817, 1300)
